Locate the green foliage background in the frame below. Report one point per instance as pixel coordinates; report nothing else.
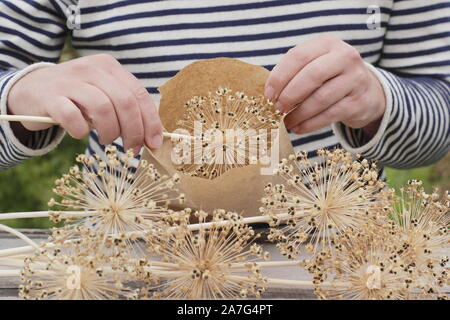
(28, 187)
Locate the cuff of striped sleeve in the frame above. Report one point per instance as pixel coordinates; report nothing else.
(40, 142)
(354, 140)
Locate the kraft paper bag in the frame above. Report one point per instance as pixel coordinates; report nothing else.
(239, 189)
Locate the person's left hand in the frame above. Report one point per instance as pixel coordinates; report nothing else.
(322, 81)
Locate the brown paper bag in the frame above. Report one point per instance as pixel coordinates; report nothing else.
(238, 189)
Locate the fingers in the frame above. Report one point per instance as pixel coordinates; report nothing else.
(149, 114)
(67, 114)
(321, 81)
(151, 122)
(96, 90)
(327, 95)
(129, 115)
(98, 108)
(335, 113)
(310, 78)
(293, 62)
(125, 110)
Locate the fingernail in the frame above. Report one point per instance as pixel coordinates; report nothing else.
(278, 106)
(269, 93)
(297, 130)
(156, 141)
(137, 150)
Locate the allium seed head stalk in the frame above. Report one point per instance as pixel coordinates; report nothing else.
(115, 200)
(421, 225)
(363, 266)
(221, 111)
(85, 269)
(322, 199)
(213, 263)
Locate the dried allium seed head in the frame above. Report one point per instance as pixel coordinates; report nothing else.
(82, 269)
(363, 267)
(320, 200)
(215, 262)
(250, 118)
(421, 226)
(115, 199)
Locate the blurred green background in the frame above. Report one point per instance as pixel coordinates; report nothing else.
(28, 187)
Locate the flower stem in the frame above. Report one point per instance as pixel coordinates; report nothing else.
(9, 273)
(268, 264)
(304, 283)
(16, 118)
(45, 214)
(16, 251)
(193, 227)
(11, 262)
(19, 235)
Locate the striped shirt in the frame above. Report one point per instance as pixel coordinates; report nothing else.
(406, 43)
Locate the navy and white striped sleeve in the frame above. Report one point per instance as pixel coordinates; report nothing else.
(414, 71)
(32, 34)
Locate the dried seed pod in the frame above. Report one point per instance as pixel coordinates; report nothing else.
(421, 223)
(211, 263)
(364, 266)
(87, 268)
(319, 200)
(235, 128)
(115, 199)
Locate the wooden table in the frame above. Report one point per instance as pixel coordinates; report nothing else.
(8, 287)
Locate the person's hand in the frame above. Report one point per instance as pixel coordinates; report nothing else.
(322, 81)
(94, 91)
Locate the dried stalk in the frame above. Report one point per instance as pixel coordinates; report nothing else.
(14, 118)
(17, 261)
(193, 227)
(20, 235)
(7, 253)
(9, 273)
(303, 283)
(272, 281)
(45, 214)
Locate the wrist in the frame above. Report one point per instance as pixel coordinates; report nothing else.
(378, 108)
(13, 99)
(12, 103)
(22, 100)
(372, 128)
(20, 132)
(357, 141)
(26, 143)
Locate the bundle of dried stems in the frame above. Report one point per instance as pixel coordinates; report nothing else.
(364, 243)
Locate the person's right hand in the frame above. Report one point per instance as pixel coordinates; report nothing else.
(93, 91)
